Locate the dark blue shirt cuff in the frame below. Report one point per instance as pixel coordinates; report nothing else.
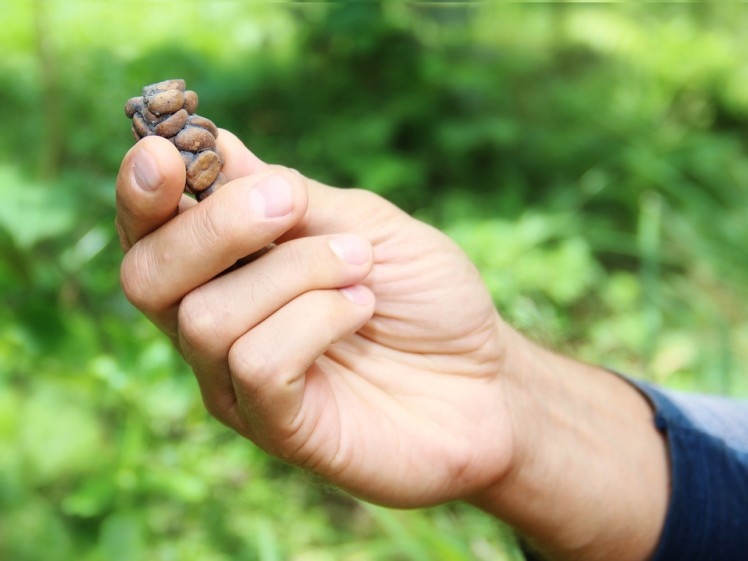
(707, 517)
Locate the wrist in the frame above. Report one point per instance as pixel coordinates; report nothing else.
(588, 475)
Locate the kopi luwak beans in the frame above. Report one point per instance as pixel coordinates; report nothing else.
(166, 109)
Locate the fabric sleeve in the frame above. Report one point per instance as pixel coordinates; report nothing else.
(707, 516)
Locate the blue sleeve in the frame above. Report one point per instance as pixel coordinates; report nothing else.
(707, 516)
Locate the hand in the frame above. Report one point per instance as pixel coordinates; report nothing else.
(364, 347)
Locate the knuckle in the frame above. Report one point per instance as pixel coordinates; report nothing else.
(368, 199)
(252, 367)
(208, 227)
(198, 326)
(216, 409)
(215, 226)
(284, 170)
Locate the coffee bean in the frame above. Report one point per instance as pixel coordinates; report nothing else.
(161, 103)
(215, 186)
(202, 122)
(134, 105)
(172, 124)
(152, 118)
(140, 126)
(166, 85)
(203, 171)
(194, 139)
(190, 101)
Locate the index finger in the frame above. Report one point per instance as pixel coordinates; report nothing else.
(238, 160)
(149, 188)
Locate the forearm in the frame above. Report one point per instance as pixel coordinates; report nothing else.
(590, 478)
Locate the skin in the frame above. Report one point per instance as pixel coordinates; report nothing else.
(366, 348)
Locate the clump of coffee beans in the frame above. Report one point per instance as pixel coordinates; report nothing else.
(166, 109)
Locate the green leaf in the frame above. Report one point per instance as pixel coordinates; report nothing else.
(33, 211)
(122, 537)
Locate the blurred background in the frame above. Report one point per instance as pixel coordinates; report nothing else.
(591, 159)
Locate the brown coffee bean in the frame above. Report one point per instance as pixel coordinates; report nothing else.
(215, 186)
(133, 105)
(203, 171)
(166, 85)
(140, 126)
(152, 118)
(194, 139)
(190, 101)
(202, 122)
(161, 103)
(172, 124)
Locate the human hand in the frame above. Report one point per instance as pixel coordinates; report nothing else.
(364, 347)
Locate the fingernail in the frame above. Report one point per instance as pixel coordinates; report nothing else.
(145, 171)
(351, 248)
(271, 197)
(357, 294)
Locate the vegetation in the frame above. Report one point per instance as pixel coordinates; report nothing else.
(590, 158)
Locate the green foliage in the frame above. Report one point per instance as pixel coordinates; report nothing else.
(590, 159)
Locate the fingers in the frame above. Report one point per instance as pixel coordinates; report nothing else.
(216, 314)
(213, 317)
(195, 246)
(151, 181)
(329, 210)
(269, 364)
(149, 188)
(238, 161)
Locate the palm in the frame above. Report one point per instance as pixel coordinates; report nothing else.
(390, 413)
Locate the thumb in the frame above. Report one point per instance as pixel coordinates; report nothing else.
(149, 188)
